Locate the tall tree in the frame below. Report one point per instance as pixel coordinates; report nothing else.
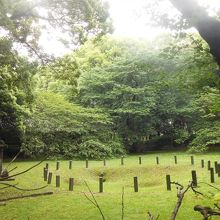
(208, 27)
(22, 21)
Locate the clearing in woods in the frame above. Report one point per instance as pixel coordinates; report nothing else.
(152, 194)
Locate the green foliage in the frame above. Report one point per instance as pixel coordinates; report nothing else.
(23, 22)
(197, 149)
(59, 128)
(15, 94)
(59, 76)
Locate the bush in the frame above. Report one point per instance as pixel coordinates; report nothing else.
(198, 149)
(61, 129)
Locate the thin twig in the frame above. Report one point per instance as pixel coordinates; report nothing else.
(94, 202)
(210, 185)
(180, 195)
(12, 169)
(7, 187)
(14, 186)
(16, 156)
(4, 178)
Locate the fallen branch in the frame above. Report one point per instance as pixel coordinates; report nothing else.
(18, 188)
(26, 196)
(4, 180)
(206, 211)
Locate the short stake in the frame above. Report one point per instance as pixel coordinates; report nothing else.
(194, 178)
(192, 160)
(45, 173)
(70, 164)
(218, 170)
(168, 181)
(71, 182)
(216, 166)
(57, 181)
(175, 159)
(135, 184)
(58, 165)
(87, 163)
(49, 178)
(100, 184)
(202, 164)
(122, 160)
(212, 178)
(139, 160)
(157, 160)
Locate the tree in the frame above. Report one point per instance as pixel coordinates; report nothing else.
(15, 93)
(23, 21)
(208, 27)
(64, 129)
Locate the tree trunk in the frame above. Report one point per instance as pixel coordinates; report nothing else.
(208, 27)
(1, 159)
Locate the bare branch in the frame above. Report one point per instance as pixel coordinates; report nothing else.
(17, 174)
(16, 156)
(180, 194)
(14, 168)
(14, 186)
(206, 211)
(94, 201)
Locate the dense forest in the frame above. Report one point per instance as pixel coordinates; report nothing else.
(110, 96)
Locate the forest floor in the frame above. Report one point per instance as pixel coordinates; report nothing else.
(152, 194)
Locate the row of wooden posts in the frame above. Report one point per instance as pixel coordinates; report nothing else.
(212, 171)
(139, 160)
(48, 178)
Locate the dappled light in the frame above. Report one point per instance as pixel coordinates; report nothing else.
(109, 109)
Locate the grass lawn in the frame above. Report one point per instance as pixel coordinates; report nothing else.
(152, 193)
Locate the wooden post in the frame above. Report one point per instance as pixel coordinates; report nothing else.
(212, 178)
(168, 181)
(71, 183)
(1, 160)
(192, 160)
(45, 173)
(58, 165)
(122, 160)
(202, 164)
(49, 178)
(104, 162)
(100, 184)
(57, 181)
(87, 163)
(218, 170)
(194, 178)
(216, 166)
(135, 184)
(209, 165)
(2, 145)
(157, 160)
(70, 164)
(139, 160)
(175, 159)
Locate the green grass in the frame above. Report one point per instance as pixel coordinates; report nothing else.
(152, 193)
